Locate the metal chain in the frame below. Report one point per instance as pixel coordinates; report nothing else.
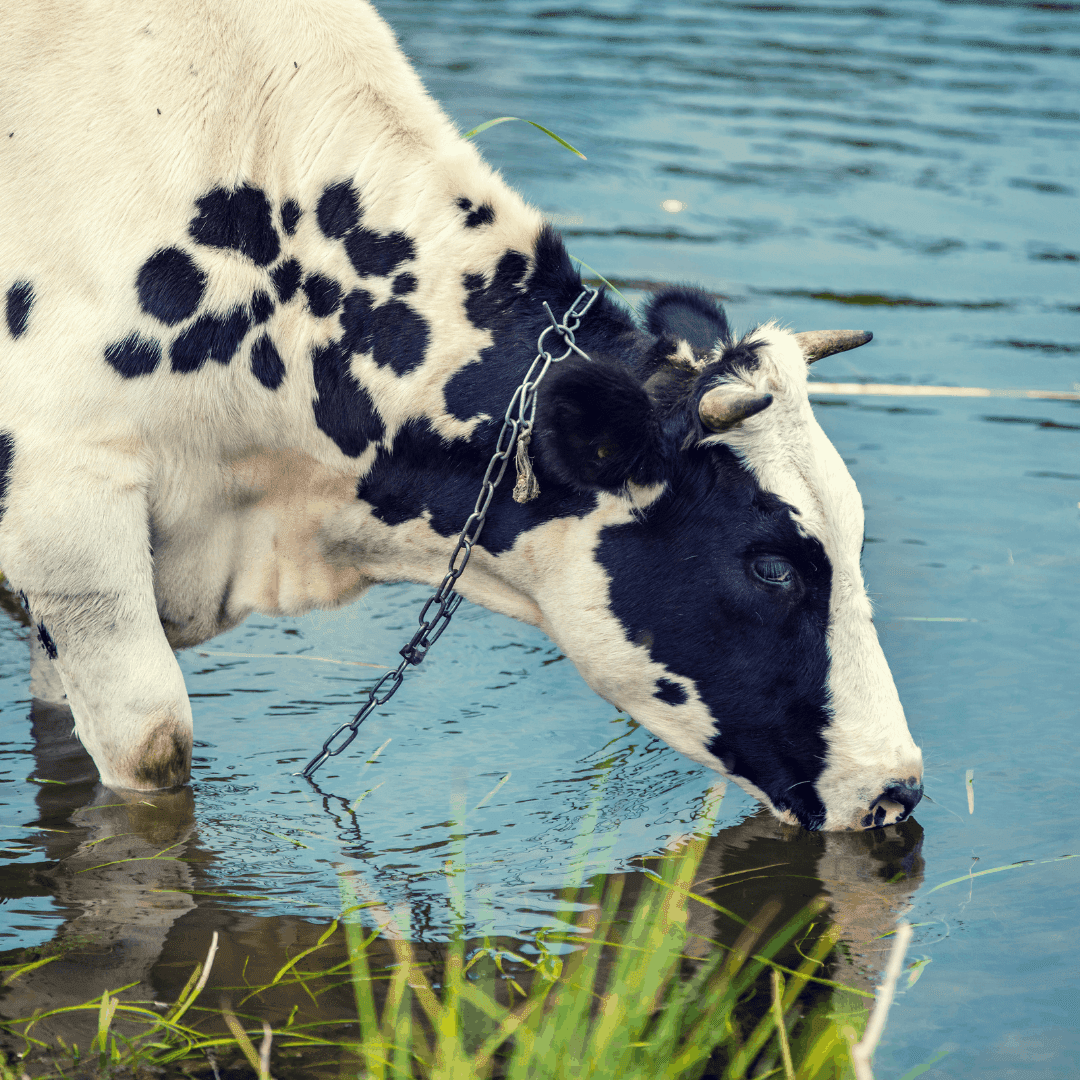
(518, 423)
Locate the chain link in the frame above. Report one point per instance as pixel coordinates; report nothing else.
(518, 423)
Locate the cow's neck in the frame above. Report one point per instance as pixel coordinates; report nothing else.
(422, 485)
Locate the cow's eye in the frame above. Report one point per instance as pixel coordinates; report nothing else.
(774, 571)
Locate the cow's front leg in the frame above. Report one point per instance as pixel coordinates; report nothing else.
(74, 542)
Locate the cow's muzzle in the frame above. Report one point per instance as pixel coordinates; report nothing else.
(894, 804)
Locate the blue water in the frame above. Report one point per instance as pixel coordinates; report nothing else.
(909, 167)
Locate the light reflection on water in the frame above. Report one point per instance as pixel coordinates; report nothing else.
(908, 167)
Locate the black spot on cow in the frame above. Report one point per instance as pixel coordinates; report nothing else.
(290, 216)
(671, 692)
(286, 278)
(395, 335)
(399, 337)
(210, 337)
(343, 408)
(501, 303)
(404, 284)
(375, 255)
(356, 321)
(133, 356)
(758, 656)
(423, 473)
(486, 304)
(394, 502)
(46, 641)
(482, 215)
(7, 456)
(170, 285)
(20, 298)
(237, 220)
(323, 294)
(266, 363)
(475, 217)
(338, 211)
(262, 307)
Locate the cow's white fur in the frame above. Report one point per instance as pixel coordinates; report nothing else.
(121, 115)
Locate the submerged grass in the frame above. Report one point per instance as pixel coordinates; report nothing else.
(626, 990)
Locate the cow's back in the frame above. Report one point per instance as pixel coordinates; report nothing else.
(120, 118)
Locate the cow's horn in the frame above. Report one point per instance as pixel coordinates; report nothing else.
(725, 406)
(818, 343)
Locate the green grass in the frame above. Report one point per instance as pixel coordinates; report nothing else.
(625, 991)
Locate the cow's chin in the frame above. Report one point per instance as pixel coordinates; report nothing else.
(849, 811)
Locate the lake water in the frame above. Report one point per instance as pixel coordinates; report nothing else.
(909, 167)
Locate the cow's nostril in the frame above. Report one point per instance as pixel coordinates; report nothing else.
(906, 794)
(894, 804)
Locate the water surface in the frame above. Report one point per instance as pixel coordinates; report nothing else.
(909, 167)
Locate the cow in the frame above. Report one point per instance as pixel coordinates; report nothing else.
(264, 311)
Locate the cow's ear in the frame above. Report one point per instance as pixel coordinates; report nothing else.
(596, 427)
(690, 314)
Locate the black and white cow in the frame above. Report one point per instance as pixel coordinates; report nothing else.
(264, 310)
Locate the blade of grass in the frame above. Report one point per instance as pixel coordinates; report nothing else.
(600, 277)
(326, 935)
(106, 1012)
(863, 1050)
(565, 1027)
(357, 943)
(547, 131)
(751, 966)
(830, 1053)
(494, 791)
(998, 870)
(724, 986)
(926, 1066)
(184, 1003)
(25, 969)
(905, 390)
(418, 983)
(781, 1027)
(264, 1053)
(696, 896)
(242, 1040)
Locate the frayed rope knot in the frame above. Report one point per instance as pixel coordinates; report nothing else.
(527, 487)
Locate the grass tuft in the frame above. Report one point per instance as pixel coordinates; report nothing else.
(627, 991)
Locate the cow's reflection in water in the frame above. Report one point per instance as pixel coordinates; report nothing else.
(128, 872)
(116, 866)
(868, 879)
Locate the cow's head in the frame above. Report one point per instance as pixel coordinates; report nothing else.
(715, 591)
